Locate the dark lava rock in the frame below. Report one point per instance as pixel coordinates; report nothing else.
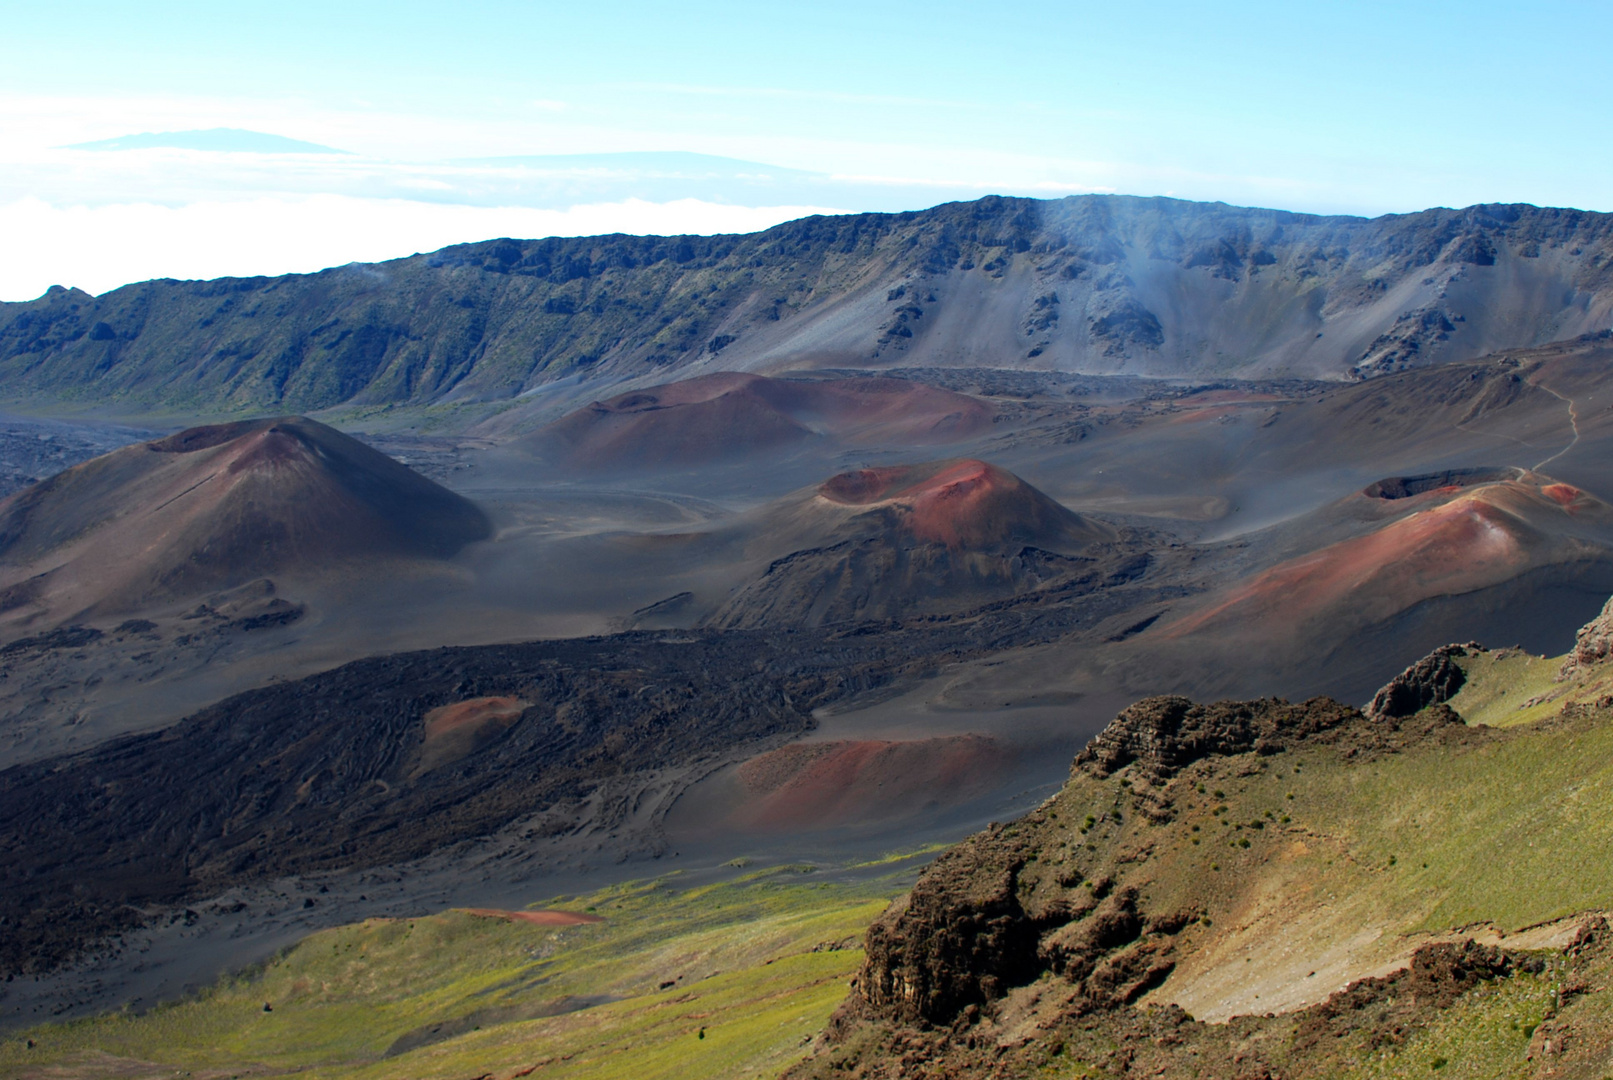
(1592, 645)
(960, 938)
(335, 770)
(1435, 678)
(1166, 734)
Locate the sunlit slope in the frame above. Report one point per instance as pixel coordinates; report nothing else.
(1404, 565)
(214, 507)
(730, 980)
(1091, 283)
(1438, 536)
(1250, 863)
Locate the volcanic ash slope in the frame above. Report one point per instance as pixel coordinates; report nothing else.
(215, 507)
(729, 415)
(913, 540)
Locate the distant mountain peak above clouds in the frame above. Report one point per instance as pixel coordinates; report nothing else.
(216, 140)
(680, 164)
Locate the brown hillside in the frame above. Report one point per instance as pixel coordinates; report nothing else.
(907, 540)
(212, 507)
(728, 415)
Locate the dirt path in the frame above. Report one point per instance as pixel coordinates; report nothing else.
(1573, 422)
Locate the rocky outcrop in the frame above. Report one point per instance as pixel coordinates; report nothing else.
(1379, 1016)
(1053, 895)
(1434, 679)
(1028, 945)
(1592, 645)
(1000, 909)
(960, 938)
(1163, 735)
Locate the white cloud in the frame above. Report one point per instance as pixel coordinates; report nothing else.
(97, 248)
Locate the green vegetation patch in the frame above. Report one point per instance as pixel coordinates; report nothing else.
(1510, 687)
(1485, 1034)
(1329, 849)
(731, 979)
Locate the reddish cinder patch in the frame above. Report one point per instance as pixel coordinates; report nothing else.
(537, 918)
(817, 785)
(726, 414)
(1467, 543)
(1562, 493)
(963, 503)
(474, 713)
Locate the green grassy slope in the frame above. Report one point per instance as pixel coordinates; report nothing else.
(754, 966)
(1338, 863)
(1509, 687)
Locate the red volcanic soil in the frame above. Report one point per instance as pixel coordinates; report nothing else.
(818, 785)
(1469, 538)
(537, 918)
(728, 414)
(962, 504)
(1563, 494)
(475, 713)
(215, 506)
(455, 731)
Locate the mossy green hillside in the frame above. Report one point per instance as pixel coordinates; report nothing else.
(730, 979)
(1498, 826)
(1508, 687)
(1303, 870)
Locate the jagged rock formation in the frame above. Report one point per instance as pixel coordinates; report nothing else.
(1090, 283)
(1002, 908)
(1372, 1017)
(1435, 678)
(1592, 645)
(1163, 735)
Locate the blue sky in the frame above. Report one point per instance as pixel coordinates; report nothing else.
(1329, 107)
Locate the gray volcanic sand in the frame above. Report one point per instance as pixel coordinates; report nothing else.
(1228, 484)
(1243, 475)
